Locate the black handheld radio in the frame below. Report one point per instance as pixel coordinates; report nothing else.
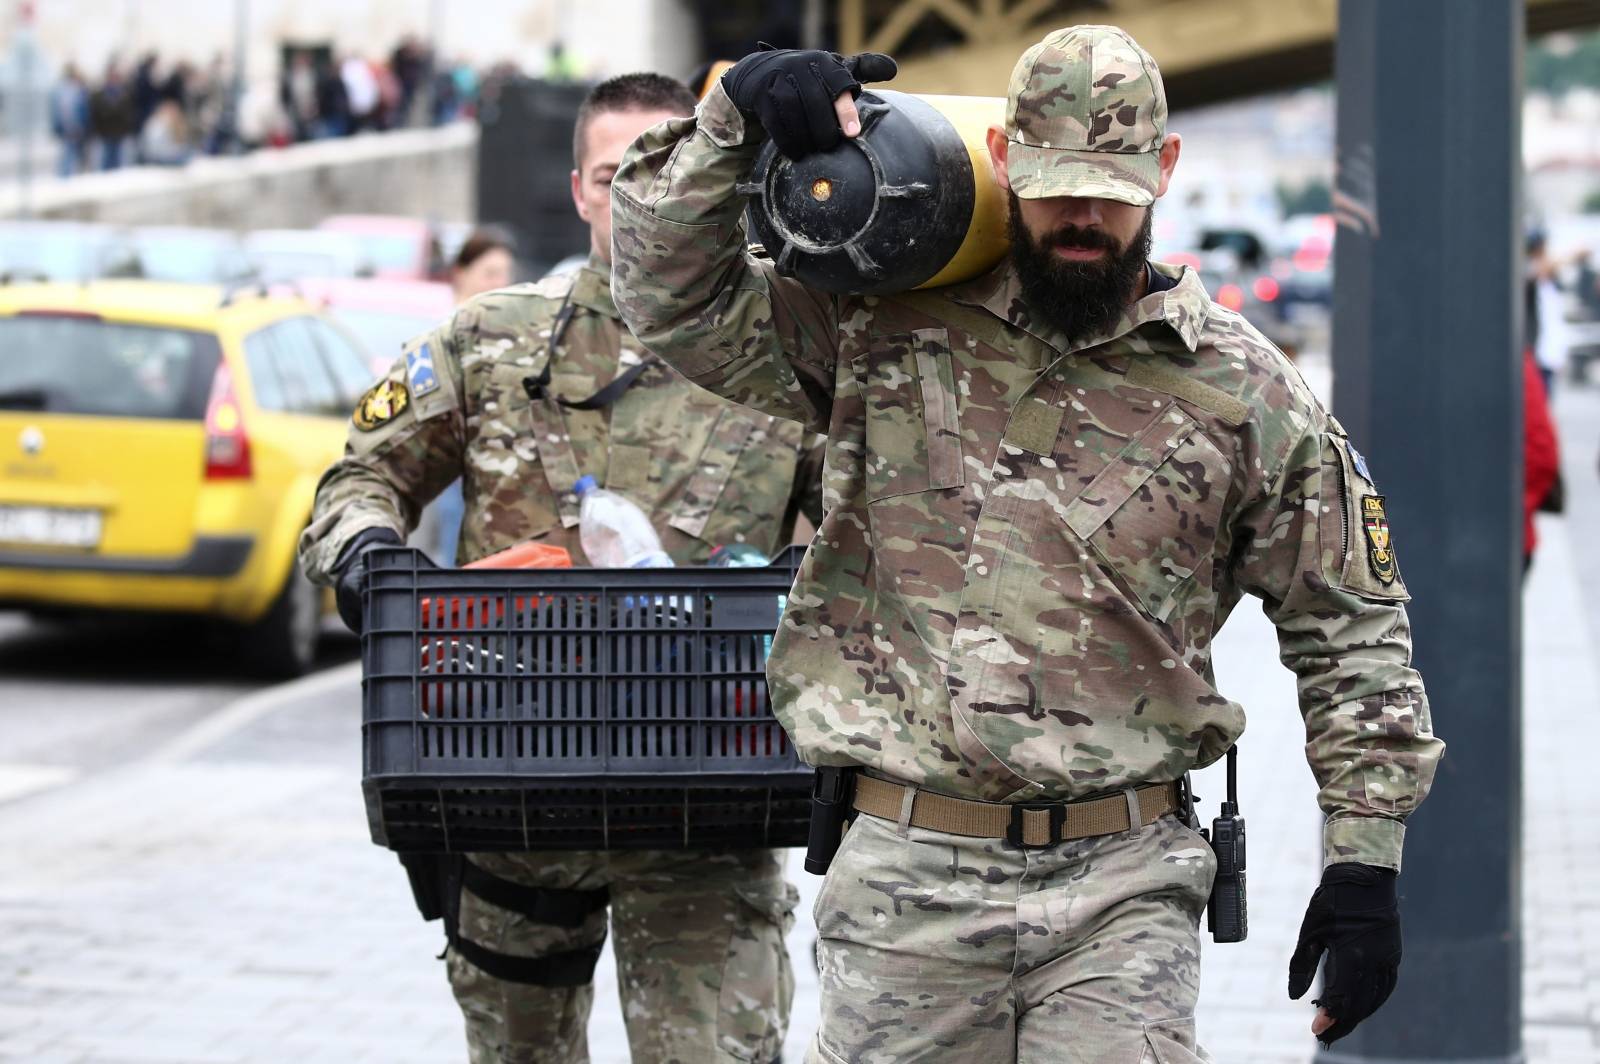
(1227, 914)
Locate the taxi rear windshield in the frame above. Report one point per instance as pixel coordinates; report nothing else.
(73, 364)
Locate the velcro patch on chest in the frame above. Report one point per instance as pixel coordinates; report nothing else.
(1163, 377)
(1034, 426)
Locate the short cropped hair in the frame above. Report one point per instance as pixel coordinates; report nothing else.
(629, 92)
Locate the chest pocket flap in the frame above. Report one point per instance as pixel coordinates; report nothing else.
(713, 469)
(1152, 513)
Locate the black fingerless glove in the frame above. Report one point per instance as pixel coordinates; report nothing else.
(1354, 917)
(790, 92)
(350, 572)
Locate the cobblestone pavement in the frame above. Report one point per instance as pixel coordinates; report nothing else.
(217, 900)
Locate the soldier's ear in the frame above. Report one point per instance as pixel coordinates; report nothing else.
(998, 144)
(577, 196)
(1171, 146)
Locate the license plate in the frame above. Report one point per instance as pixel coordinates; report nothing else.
(47, 526)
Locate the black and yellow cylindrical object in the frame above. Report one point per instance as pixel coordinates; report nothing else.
(912, 202)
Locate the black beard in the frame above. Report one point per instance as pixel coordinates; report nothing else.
(1082, 299)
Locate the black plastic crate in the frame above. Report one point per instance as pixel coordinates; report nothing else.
(562, 709)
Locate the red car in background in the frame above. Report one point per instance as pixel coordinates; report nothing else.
(383, 314)
(393, 245)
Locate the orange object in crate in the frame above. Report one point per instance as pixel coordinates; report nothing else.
(529, 555)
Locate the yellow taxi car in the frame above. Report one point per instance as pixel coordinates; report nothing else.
(160, 445)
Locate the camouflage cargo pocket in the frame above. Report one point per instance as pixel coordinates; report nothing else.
(1152, 514)
(913, 429)
(1172, 1042)
(757, 980)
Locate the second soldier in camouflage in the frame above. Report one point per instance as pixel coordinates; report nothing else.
(520, 392)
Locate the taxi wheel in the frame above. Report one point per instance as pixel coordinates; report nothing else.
(284, 642)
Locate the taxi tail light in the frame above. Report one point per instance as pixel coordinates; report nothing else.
(227, 445)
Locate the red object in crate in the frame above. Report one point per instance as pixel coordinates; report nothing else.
(475, 612)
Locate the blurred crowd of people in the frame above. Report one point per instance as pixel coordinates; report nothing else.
(163, 114)
(149, 113)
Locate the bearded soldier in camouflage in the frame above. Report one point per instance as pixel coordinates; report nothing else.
(520, 392)
(1046, 490)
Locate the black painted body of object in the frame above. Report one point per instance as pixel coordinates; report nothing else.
(882, 212)
(524, 158)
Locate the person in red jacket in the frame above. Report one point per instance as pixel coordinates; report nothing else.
(1541, 456)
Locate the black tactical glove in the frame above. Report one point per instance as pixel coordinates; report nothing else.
(790, 91)
(350, 572)
(1355, 917)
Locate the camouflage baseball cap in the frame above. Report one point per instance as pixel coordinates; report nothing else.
(1086, 114)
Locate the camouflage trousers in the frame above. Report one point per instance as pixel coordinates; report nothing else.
(702, 967)
(937, 947)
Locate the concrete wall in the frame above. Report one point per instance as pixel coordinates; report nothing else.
(424, 173)
(603, 37)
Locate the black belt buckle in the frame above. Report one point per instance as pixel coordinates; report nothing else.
(1058, 819)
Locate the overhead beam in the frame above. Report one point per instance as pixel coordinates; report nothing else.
(1209, 50)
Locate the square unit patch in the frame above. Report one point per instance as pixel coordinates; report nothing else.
(419, 371)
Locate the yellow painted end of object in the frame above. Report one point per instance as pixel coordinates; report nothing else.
(986, 239)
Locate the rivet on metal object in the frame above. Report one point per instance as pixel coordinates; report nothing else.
(821, 189)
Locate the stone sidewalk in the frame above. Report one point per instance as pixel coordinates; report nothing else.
(222, 903)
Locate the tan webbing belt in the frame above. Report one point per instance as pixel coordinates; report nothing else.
(1022, 824)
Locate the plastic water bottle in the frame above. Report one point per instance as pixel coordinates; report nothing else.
(615, 533)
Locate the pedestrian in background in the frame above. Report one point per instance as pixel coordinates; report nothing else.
(146, 94)
(1552, 333)
(298, 93)
(483, 264)
(522, 391)
(69, 120)
(112, 120)
(1541, 455)
(333, 101)
(361, 91)
(1048, 487)
(165, 139)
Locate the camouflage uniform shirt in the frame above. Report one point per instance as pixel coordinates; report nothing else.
(471, 399)
(1029, 544)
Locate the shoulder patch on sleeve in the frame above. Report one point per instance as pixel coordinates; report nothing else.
(421, 377)
(381, 404)
(1380, 554)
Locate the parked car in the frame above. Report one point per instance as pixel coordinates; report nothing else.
(394, 245)
(279, 256)
(1232, 264)
(58, 251)
(1302, 263)
(382, 314)
(161, 445)
(184, 254)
